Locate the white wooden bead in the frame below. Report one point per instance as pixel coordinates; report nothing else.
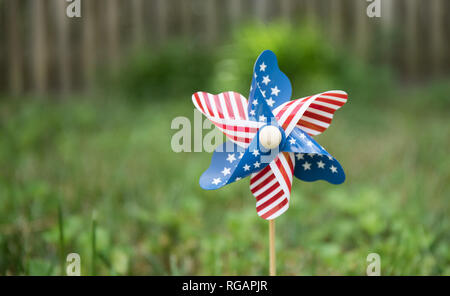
(270, 137)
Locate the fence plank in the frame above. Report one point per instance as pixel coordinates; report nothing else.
(137, 15)
(63, 45)
(162, 20)
(310, 10)
(286, 9)
(15, 54)
(39, 46)
(437, 35)
(235, 10)
(112, 33)
(89, 58)
(186, 17)
(260, 8)
(388, 21)
(411, 53)
(336, 21)
(211, 21)
(362, 33)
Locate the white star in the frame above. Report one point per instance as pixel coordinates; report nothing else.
(241, 154)
(251, 87)
(275, 90)
(262, 67)
(321, 165)
(309, 143)
(252, 112)
(216, 181)
(311, 155)
(238, 178)
(306, 166)
(226, 171)
(262, 118)
(255, 102)
(266, 80)
(231, 158)
(292, 141)
(333, 169)
(263, 92)
(256, 76)
(246, 167)
(255, 152)
(302, 136)
(270, 102)
(329, 157)
(299, 156)
(256, 164)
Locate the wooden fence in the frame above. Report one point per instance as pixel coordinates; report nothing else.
(42, 50)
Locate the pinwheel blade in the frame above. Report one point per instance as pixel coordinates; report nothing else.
(274, 84)
(228, 112)
(312, 161)
(312, 167)
(272, 186)
(311, 114)
(300, 142)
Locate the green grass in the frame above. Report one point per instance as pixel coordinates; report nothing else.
(61, 162)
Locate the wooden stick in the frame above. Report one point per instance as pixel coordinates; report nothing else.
(272, 268)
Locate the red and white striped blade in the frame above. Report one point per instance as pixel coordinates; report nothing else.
(272, 186)
(228, 112)
(311, 114)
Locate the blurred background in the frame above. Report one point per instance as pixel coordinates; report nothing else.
(86, 106)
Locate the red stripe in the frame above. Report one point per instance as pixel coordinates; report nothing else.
(197, 98)
(218, 106)
(312, 126)
(289, 160)
(284, 109)
(238, 139)
(263, 183)
(260, 174)
(337, 95)
(269, 201)
(275, 209)
(330, 101)
(228, 104)
(269, 190)
(317, 116)
(208, 105)
(291, 116)
(322, 108)
(237, 128)
(239, 104)
(283, 173)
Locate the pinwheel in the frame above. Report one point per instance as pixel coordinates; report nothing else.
(270, 139)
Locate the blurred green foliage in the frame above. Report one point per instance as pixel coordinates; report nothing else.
(112, 157)
(174, 69)
(311, 62)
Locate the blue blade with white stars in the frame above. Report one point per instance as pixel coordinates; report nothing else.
(312, 161)
(231, 163)
(274, 84)
(301, 142)
(259, 110)
(312, 167)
